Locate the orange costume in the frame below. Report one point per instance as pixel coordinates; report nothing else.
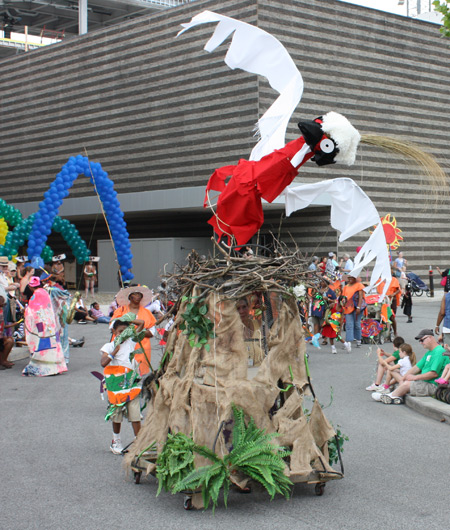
(348, 291)
(149, 321)
(394, 286)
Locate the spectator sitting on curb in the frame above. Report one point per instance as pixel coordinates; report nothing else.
(97, 314)
(381, 370)
(420, 379)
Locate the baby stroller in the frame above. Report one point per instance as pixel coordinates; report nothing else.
(375, 324)
(417, 285)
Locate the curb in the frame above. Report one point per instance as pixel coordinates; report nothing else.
(430, 407)
(17, 354)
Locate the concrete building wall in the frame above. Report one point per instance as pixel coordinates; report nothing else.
(159, 113)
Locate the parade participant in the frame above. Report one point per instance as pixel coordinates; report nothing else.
(120, 365)
(314, 263)
(420, 379)
(407, 303)
(42, 334)
(354, 294)
(6, 343)
(399, 264)
(319, 304)
(58, 270)
(5, 281)
(445, 282)
(393, 293)
(20, 261)
(346, 264)
(333, 320)
(322, 265)
(133, 300)
(25, 291)
(381, 367)
(252, 333)
(97, 314)
(444, 315)
(90, 277)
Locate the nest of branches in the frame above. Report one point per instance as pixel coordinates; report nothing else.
(234, 275)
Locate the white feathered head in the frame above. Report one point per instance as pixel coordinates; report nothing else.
(332, 138)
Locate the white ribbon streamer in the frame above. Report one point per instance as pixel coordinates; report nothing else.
(256, 51)
(351, 212)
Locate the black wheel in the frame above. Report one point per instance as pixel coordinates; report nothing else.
(428, 293)
(319, 489)
(419, 292)
(187, 503)
(137, 477)
(381, 338)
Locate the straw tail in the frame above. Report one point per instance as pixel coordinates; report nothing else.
(434, 175)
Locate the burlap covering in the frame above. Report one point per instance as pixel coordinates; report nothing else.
(198, 388)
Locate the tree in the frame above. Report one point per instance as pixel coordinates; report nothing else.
(442, 6)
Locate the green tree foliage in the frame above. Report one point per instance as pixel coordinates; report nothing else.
(442, 6)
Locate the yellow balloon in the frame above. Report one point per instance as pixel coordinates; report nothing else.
(3, 231)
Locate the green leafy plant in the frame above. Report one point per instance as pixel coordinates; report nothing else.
(196, 325)
(175, 461)
(340, 438)
(442, 6)
(252, 454)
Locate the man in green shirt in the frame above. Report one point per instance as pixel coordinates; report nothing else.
(420, 379)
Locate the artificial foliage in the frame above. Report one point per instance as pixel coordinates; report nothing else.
(175, 461)
(197, 325)
(333, 443)
(253, 454)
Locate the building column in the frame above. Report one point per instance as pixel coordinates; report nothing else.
(82, 17)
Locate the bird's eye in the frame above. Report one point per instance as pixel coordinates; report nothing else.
(327, 145)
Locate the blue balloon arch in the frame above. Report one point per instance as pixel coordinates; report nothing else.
(59, 190)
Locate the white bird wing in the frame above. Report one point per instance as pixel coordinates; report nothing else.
(256, 51)
(351, 211)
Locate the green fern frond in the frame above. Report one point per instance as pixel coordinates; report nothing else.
(239, 425)
(191, 481)
(202, 450)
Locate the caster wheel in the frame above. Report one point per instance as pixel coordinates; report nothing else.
(319, 489)
(187, 503)
(137, 477)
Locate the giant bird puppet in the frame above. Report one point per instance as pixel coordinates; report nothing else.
(272, 165)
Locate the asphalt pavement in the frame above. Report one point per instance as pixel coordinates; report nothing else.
(57, 471)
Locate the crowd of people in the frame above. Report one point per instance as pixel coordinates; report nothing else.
(339, 301)
(333, 309)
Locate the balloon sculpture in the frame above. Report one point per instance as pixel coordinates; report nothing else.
(53, 198)
(3, 231)
(14, 239)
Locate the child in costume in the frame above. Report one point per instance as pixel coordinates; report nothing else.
(122, 378)
(331, 329)
(407, 303)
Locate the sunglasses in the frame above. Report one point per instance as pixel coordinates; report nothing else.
(423, 338)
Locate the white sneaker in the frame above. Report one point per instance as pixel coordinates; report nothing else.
(358, 343)
(389, 399)
(377, 396)
(333, 349)
(116, 447)
(373, 388)
(348, 347)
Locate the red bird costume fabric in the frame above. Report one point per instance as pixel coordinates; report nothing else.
(239, 210)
